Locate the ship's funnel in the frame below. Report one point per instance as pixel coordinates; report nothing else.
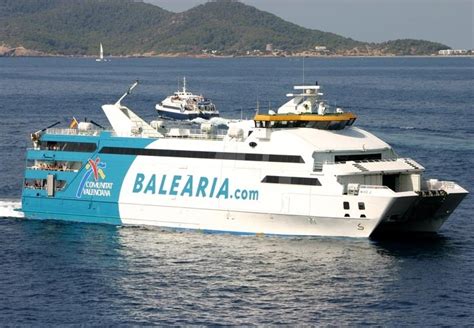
(126, 123)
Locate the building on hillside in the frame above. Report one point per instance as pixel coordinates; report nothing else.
(450, 52)
(445, 52)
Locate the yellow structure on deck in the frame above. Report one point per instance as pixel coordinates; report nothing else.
(333, 121)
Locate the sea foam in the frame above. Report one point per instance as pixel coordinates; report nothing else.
(9, 208)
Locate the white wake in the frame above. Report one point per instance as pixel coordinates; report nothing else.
(8, 208)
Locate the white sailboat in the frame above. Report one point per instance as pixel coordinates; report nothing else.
(101, 54)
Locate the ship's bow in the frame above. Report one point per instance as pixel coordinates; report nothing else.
(424, 212)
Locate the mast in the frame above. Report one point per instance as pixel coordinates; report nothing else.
(184, 84)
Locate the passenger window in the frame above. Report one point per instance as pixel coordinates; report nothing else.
(361, 206)
(346, 205)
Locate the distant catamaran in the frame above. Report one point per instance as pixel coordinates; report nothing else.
(101, 54)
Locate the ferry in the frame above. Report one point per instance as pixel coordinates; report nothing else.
(184, 105)
(302, 170)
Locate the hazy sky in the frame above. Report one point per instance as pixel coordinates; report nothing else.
(446, 21)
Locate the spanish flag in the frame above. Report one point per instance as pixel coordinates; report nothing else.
(74, 123)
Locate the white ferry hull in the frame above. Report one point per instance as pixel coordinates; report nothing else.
(391, 215)
(411, 216)
(245, 222)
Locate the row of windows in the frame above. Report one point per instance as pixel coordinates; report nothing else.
(358, 157)
(86, 147)
(322, 125)
(291, 180)
(202, 154)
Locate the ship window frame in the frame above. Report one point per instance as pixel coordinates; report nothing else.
(256, 157)
(302, 181)
(41, 184)
(77, 147)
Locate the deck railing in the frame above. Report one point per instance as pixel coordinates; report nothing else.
(62, 131)
(182, 133)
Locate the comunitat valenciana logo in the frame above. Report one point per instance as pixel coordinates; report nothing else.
(92, 183)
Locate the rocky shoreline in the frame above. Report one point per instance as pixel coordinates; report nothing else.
(7, 51)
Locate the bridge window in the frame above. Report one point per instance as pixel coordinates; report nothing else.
(322, 125)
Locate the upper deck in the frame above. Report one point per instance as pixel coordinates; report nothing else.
(306, 109)
(177, 131)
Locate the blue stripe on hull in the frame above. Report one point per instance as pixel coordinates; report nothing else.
(185, 116)
(43, 208)
(177, 116)
(72, 218)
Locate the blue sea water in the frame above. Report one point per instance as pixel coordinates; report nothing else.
(67, 273)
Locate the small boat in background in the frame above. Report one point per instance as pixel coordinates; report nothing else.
(184, 105)
(101, 54)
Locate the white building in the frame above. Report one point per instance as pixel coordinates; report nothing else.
(449, 52)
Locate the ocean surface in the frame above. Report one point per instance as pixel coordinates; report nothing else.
(67, 273)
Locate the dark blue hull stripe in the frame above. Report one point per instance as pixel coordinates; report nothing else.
(185, 116)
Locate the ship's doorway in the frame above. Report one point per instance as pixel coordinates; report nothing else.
(391, 180)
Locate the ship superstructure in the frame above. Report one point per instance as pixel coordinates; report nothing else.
(303, 170)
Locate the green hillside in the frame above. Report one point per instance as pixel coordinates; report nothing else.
(15, 8)
(411, 47)
(75, 27)
(234, 27)
(127, 27)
